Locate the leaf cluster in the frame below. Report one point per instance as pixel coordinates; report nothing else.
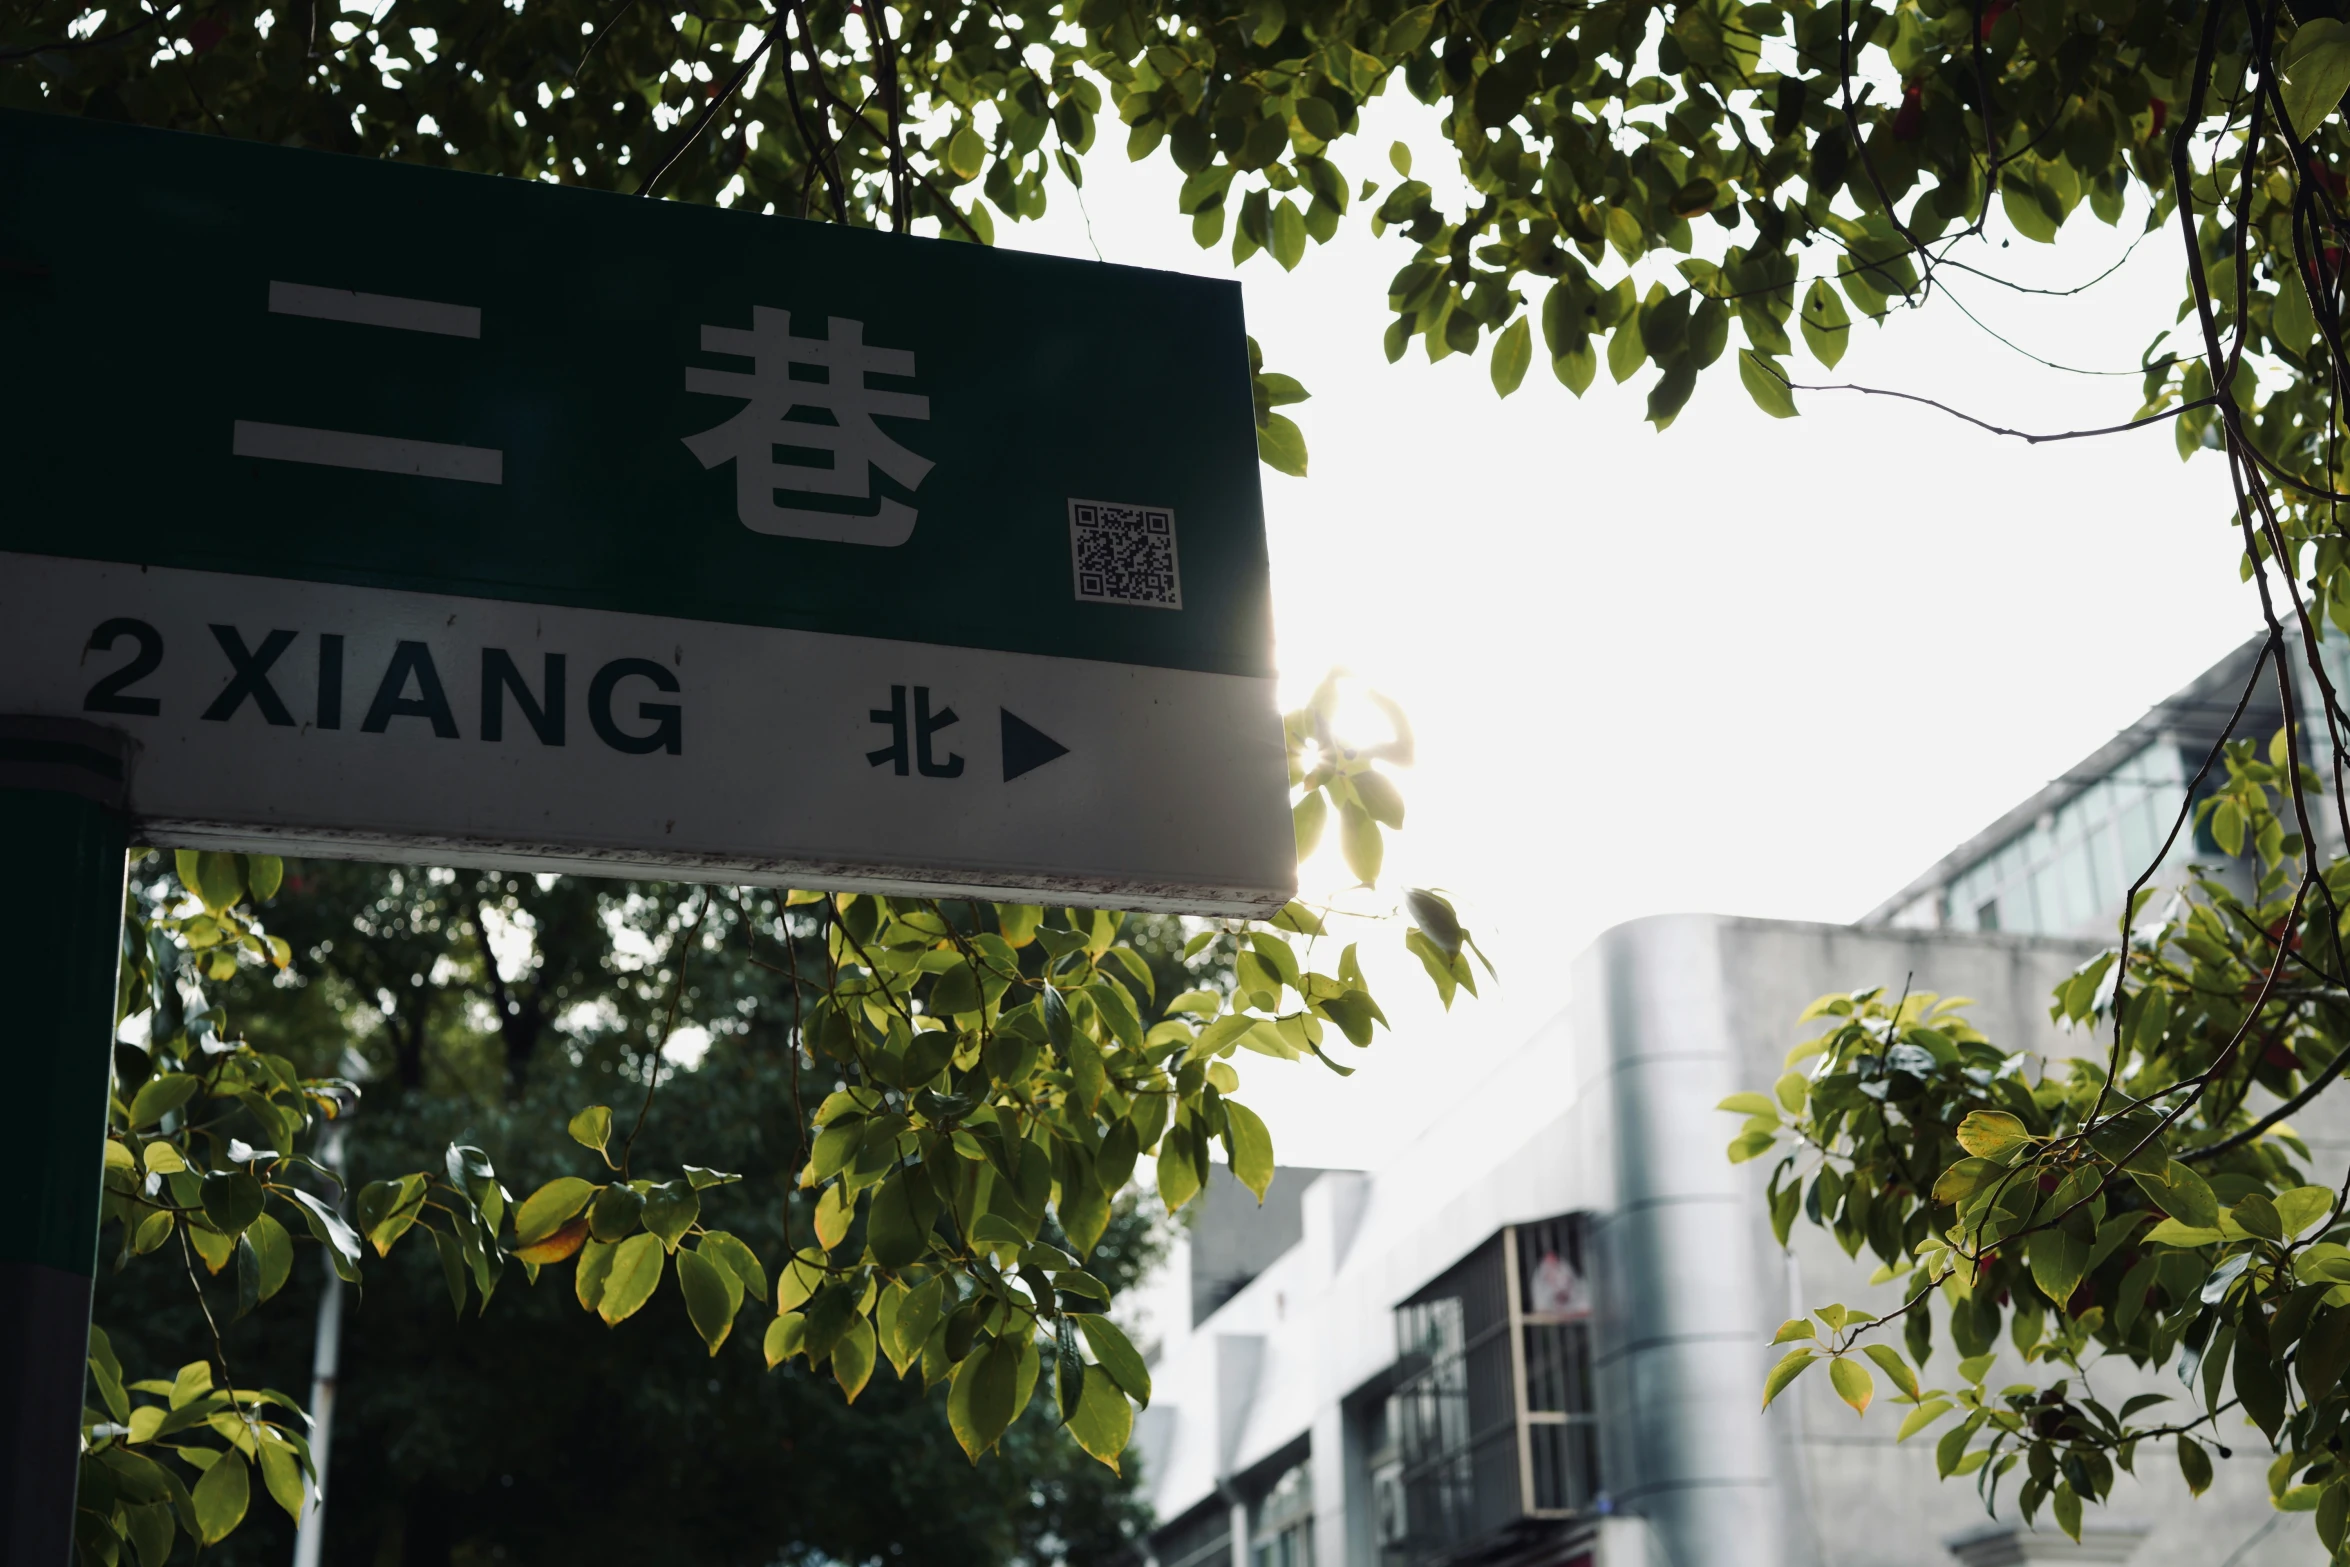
(999, 1072)
(2134, 1207)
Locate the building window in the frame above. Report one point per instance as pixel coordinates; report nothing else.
(2069, 871)
(1201, 1538)
(1281, 1530)
(1490, 1429)
(1560, 1413)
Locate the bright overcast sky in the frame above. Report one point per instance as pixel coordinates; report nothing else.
(1747, 666)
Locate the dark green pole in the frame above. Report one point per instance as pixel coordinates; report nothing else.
(61, 787)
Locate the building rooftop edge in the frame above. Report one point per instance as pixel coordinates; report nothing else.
(2166, 714)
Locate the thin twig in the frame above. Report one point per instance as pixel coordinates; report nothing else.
(2178, 825)
(2027, 436)
(685, 952)
(710, 111)
(65, 45)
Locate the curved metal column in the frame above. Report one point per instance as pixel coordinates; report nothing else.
(1687, 1263)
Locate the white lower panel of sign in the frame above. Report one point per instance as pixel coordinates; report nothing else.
(294, 716)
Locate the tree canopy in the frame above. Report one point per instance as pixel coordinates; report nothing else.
(1631, 180)
(531, 1432)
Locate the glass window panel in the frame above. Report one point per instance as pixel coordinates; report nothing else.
(2139, 838)
(2103, 852)
(2073, 880)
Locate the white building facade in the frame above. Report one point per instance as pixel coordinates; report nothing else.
(1539, 1338)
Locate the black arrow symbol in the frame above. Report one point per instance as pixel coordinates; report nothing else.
(1026, 747)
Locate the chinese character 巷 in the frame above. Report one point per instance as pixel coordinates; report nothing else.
(772, 395)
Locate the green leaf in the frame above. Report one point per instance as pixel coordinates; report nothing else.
(387, 1210)
(2258, 1385)
(1992, 1134)
(1512, 353)
(1766, 383)
(1952, 1445)
(2256, 1215)
(979, 1399)
(635, 1272)
(2333, 1515)
(221, 1497)
(1289, 234)
(1827, 329)
(1954, 1184)
(1671, 393)
(1358, 839)
(1625, 350)
(735, 1253)
(1852, 1382)
(1118, 1356)
(549, 1208)
(595, 1266)
(713, 1294)
(159, 1096)
(264, 874)
(1178, 1174)
(453, 1270)
(1749, 1104)
(2058, 1261)
(800, 1278)
(1792, 1365)
(217, 879)
(899, 1217)
(834, 1210)
(966, 154)
(592, 1127)
(1896, 1369)
(2325, 1351)
(918, 1314)
(273, 1249)
(281, 1474)
(2316, 67)
(341, 1241)
(670, 1210)
(2067, 1508)
(1053, 1008)
(1103, 1422)
(830, 1315)
(1921, 1417)
(2179, 1192)
(2195, 1465)
(106, 1372)
(1250, 1146)
(1281, 445)
(852, 1358)
(614, 1211)
(784, 1338)
(2302, 1207)
(151, 1529)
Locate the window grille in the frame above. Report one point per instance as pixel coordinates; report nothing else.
(1492, 1421)
(1282, 1528)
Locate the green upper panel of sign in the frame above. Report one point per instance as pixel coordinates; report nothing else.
(246, 358)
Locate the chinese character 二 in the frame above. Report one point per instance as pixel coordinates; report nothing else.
(926, 725)
(772, 395)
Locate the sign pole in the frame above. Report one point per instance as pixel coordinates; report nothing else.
(61, 782)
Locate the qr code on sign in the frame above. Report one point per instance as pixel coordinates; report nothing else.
(1124, 554)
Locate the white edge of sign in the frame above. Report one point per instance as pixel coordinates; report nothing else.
(814, 876)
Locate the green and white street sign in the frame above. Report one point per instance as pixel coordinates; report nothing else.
(400, 512)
